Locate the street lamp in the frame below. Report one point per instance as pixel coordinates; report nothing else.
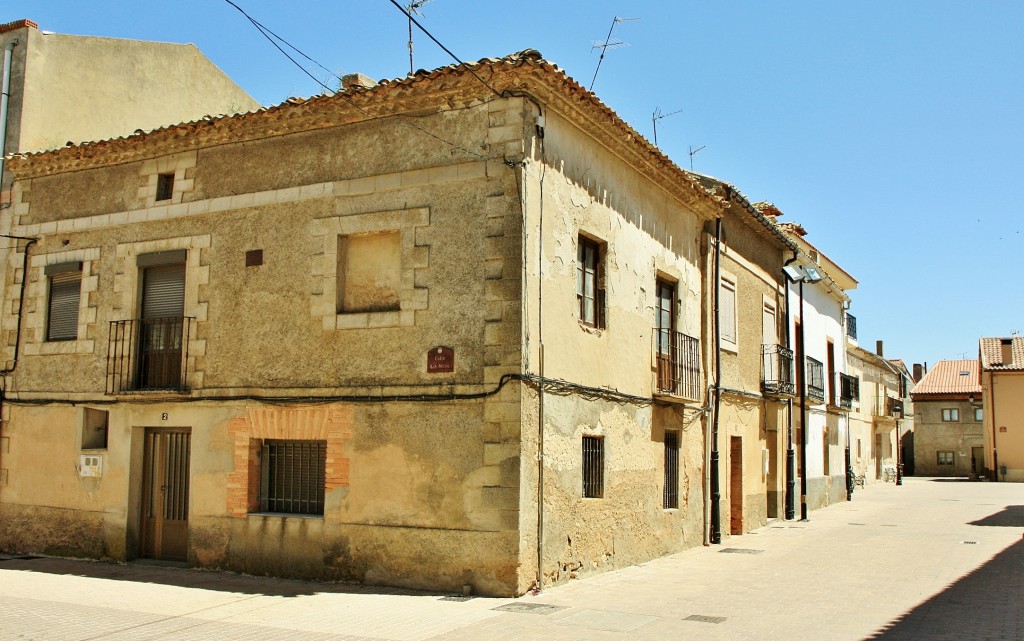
(799, 274)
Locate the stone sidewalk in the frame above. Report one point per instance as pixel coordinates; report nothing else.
(931, 560)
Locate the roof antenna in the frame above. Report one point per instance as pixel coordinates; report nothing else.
(413, 7)
(656, 116)
(693, 152)
(608, 44)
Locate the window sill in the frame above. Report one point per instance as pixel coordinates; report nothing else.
(591, 329)
(52, 348)
(288, 515)
(370, 320)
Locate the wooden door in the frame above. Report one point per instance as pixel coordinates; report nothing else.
(735, 485)
(165, 484)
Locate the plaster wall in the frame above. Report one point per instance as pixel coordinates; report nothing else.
(1003, 397)
(932, 435)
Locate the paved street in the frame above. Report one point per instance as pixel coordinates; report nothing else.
(931, 560)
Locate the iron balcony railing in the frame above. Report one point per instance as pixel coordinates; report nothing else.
(148, 354)
(777, 370)
(815, 377)
(849, 390)
(677, 358)
(888, 406)
(851, 326)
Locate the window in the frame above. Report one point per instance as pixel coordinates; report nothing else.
(670, 499)
(589, 281)
(593, 467)
(62, 307)
(944, 458)
(369, 272)
(858, 450)
(664, 323)
(164, 186)
(979, 415)
(727, 310)
(162, 319)
(94, 429)
(950, 415)
(292, 476)
(825, 465)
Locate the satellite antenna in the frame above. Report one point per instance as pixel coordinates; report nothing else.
(656, 116)
(413, 7)
(693, 152)
(608, 44)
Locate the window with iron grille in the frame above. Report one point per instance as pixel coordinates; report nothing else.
(589, 283)
(164, 187)
(671, 496)
(65, 296)
(292, 476)
(593, 467)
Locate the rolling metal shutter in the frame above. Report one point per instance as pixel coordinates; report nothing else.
(163, 291)
(62, 315)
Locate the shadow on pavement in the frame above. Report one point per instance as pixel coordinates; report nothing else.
(192, 578)
(954, 479)
(985, 604)
(1011, 516)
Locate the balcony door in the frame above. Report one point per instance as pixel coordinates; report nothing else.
(665, 323)
(163, 310)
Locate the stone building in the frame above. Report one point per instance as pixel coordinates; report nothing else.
(1002, 389)
(878, 415)
(441, 331)
(949, 416)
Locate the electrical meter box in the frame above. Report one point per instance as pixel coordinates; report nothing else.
(90, 465)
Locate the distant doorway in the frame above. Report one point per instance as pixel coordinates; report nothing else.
(735, 485)
(165, 475)
(977, 460)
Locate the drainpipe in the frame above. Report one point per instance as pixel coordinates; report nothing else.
(790, 454)
(21, 299)
(716, 492)
(540, 358)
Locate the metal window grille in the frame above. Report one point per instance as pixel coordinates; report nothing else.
(671, 496)
(851, 326)
(677, 358)
(593, 467)
(777, 370)
(292, 476)
(815, 379)
(589, 292)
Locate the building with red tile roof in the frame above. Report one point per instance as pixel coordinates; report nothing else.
(948, 407)
(1002, 384)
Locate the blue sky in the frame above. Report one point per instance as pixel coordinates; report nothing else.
(891, 130)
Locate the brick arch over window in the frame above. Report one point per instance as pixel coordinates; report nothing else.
(247, 432)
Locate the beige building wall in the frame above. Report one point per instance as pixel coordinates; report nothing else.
(1003, 397)
(872, 430)
(68, 88)
(424, 494)
(645, 230)
(959, 438)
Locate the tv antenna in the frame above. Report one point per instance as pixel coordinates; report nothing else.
(693, 152)
(656, 116)
(413, 7)
(608, 44)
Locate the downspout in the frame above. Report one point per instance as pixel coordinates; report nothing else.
(540, 357)
(803, 407)
(716, 492)
(790, 453)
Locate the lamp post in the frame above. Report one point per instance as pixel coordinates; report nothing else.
(801, 274)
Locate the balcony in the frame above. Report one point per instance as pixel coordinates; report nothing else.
(777, 371)
(849, 390)
(677, 360)
(148, 355)
(888, 407)
(851, 326)
(815, 377)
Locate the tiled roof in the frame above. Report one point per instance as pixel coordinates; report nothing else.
(526, 74)
(992, 353)
(950, 377)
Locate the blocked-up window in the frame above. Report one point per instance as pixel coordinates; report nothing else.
(292, 475)
(65, 296)
(369, 272)
(593, 467)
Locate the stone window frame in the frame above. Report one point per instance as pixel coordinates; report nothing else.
(415, 259)
(37, 299)
(128, 290)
